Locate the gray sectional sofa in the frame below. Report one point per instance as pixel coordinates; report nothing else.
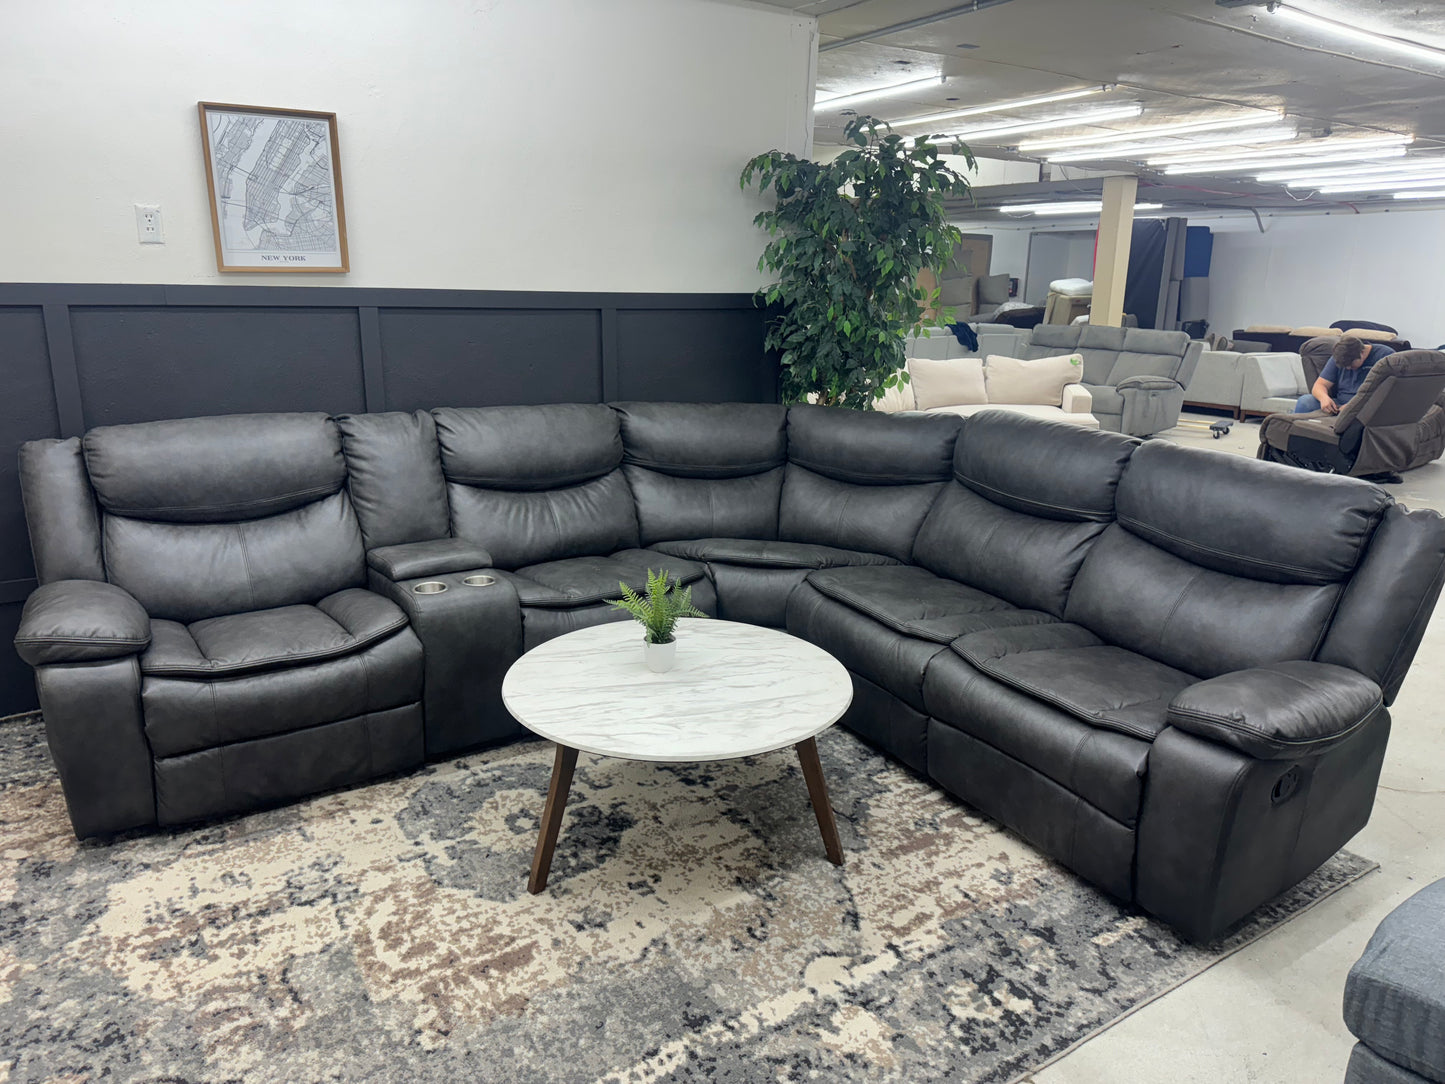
(1166, 668)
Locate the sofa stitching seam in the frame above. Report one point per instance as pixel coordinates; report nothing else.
(1130, 521)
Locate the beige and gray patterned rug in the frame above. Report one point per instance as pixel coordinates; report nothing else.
(692, 931)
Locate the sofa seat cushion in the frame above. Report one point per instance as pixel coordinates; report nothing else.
(1104, 768)
(185, 714)
(340, 624)
(1072, 669)
(1047, 413)
(913, 601)
(764, 554)
(583, 581)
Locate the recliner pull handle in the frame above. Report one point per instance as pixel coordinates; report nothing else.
(1285, 786)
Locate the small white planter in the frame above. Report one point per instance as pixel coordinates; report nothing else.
(660, 658)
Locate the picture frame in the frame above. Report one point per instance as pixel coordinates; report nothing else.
(273, 177)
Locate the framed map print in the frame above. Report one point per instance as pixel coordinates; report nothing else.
(275, 182)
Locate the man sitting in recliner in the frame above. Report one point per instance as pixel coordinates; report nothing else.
(1342, 375)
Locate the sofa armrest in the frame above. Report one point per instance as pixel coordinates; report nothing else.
(1272, 376)
(1077, 399)
(81, 621)
(434, 557)
(1282, 711)
(1147, 383)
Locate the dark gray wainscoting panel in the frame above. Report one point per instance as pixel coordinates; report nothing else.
(74, 356)
(144, 364)
(496, 357)
(692, 357)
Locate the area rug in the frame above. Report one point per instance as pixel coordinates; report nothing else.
(692, 930)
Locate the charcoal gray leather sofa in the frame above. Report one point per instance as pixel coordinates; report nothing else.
(1167, 668)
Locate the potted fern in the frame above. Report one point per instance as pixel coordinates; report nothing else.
(658, 611)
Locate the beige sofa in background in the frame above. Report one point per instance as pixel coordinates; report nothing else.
(1040, 388)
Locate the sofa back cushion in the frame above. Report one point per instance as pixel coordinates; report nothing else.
(704, 470)
(863, 480)
(1027, 500)
(1219, 563)
(394, 476)
(1148, 352)
(536, 483)
(209, 516)
(1031, 382)
(940, 383)
(1099, 346)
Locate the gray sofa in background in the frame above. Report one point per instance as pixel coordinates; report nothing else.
(1273, 382)
(1135, 375)
(1395, 996)
(1167, 668)
(1218, 381)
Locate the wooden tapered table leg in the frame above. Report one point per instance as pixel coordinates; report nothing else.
(552, 816)
(818, 792)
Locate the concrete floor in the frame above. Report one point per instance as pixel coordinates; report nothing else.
(1271, 1013)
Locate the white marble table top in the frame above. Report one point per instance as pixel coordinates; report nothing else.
(736, 690)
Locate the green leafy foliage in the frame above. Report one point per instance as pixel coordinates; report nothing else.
(849, 239)
(660, 608)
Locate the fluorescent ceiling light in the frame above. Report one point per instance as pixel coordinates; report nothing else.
(1074, 120)
(1134, 134)
(1325, 173)
(1143, 150)
(999, 107)
(1314, 181)
(838, 101)
(1305, 147)
(1227, 166)
(1355, 34)
(1074, 208)
(1432, 194)
(1380, 184)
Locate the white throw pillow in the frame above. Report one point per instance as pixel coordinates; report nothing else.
(1039, 382)
(938, 382)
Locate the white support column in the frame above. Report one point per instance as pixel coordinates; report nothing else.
(1111, 260)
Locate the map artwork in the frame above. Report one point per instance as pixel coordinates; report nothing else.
(275, 189)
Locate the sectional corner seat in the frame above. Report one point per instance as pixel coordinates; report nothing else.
(1167, 668)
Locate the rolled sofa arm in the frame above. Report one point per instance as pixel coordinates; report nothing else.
(1282, 711)
(81, 621)
(1151, 404)
(1077, 399)
(434, 557)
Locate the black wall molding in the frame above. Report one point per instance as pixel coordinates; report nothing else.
(77, 355)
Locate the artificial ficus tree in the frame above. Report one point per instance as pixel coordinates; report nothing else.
(848, 241)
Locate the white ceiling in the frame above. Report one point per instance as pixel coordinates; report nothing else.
(1183, 59)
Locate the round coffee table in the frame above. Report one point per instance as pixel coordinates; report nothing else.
(736, 690)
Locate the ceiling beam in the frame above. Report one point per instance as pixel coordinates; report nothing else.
(911, 24)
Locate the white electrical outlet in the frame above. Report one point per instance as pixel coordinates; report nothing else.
(148, 226)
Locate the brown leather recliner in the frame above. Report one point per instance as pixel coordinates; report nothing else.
(1395, 422)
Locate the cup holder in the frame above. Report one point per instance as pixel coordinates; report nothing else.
(479, 581)
(430, 587)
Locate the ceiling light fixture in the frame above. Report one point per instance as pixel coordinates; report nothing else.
(1000, 107)
(1227, 166)
(1431, 194)
(1074, 208)
(1134, 134)
(839, 101)
(1322, 174)
(1355, 34)
(992, 132)
(1381, 184)
(1143, 150)
(1307, 147)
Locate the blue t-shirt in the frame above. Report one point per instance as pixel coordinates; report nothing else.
(1347, 381)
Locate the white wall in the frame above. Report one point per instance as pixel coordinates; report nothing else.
(485, 144)
(1057, 255)
(1316, 269)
